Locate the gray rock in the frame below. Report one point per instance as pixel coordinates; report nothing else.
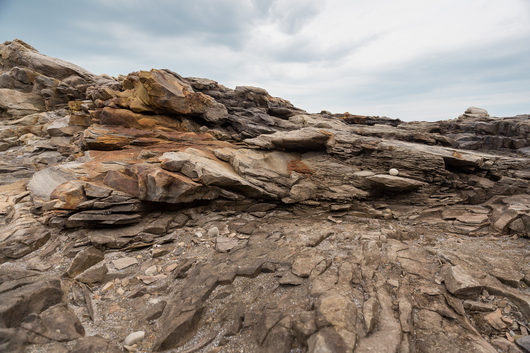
(13, 340)
(83, 260)
(163, 159)
(303, 139)
(177, 329)
(395, 183)
(213, 232)
(504, 345)
(290, 279)
(27, 298)
(476, 112)
(155, 311)
(62, 127)
(194, 164)
(16, 103)
(473, 305)
(162, 91)
(124, 262)
(95, 344)
(371, 313)
(45, 181)
(16, 52)
(102, 218)
(303, 265)
(95, 274)
(57, 323)
(459, 282)
(327, 340)
(505, 219)
(524, 343)
(304, 324)
(224, 244)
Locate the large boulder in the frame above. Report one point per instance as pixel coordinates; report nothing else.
(14, 103)
(303, 139)
(474, 112)
(164, 92)
(17, 53)
(45, 181)
(208, 170)
(45, 82)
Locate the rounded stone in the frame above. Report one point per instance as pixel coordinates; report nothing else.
(393, 171)
(134, 337)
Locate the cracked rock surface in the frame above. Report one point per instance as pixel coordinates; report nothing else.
(157, 213)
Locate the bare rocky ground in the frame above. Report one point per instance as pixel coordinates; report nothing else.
(152, 212)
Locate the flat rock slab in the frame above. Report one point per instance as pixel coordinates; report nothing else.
(459, 282)
(224, 244)
(304, 265)
(395, 183)
(124, 262)
(302, 139)
(290, 279)
(84, 260)
(472, 218)
(25, 299)
(524, 342)
(92, 344)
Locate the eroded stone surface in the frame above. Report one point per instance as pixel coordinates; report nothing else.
(228, 220)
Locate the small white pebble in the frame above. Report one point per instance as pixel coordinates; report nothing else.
(393, 171)
(134, 338)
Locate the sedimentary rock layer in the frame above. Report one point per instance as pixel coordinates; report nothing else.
(154, 212)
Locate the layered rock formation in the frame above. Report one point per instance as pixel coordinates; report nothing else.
(154, 212)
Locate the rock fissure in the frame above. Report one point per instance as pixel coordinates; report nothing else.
(187, 216)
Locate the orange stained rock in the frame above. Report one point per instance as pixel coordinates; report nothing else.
(456, 155)
(298, 166)
(127, 118)
(70, 194)
(121, 182)
(162, 92)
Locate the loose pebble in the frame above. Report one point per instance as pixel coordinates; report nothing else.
(134, 337)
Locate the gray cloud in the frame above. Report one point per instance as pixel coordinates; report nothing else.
(412, 60)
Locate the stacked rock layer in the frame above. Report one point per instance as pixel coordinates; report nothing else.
(153, 212)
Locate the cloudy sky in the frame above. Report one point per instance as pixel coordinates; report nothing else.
(408, 59)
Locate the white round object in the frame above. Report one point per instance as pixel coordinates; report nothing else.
(134, 337)
(393, 172)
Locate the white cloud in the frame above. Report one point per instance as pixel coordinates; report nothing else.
(325, 54)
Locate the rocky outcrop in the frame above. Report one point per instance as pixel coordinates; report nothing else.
(160, 91)
(476, 130)
(154, 212)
